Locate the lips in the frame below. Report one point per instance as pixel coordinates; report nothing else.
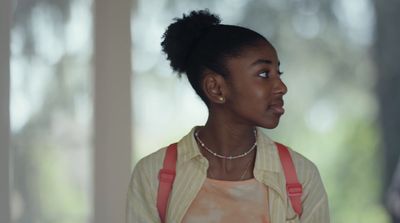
(277, 107)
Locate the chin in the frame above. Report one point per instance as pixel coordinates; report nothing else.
(270, 124)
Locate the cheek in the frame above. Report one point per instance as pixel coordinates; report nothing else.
(254, 97)
(250, 93)
(260, 93)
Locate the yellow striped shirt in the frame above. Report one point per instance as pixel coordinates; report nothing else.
(191, 172)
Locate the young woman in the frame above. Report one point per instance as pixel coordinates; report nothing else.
(227, 170)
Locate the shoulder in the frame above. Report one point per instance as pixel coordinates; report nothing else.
(301, 162)
(314, 198)
(308, 175)
(305, 168)
(145, 172)
(143, 183)
(150, 164)
(143, 186)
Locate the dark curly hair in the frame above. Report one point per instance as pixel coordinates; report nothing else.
(198, 41)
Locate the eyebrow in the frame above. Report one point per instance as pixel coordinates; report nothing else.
(262, 61)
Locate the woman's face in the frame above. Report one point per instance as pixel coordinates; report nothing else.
(254, 87)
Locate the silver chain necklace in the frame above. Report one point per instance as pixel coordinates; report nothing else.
(196, 134)
(245, 170)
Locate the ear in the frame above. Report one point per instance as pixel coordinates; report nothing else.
(213, 86)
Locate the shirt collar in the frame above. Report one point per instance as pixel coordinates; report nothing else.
(187, 147)
(267, 158)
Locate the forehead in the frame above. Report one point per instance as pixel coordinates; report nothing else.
(259, 51)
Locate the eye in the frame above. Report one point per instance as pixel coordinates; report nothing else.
(264, 74)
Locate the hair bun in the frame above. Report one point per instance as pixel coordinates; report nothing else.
(182, 35)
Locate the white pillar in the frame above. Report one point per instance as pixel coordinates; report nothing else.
(5, 20)
(112, 109)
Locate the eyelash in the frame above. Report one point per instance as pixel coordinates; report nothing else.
(267, 73)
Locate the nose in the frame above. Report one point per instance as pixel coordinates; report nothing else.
(280, 87)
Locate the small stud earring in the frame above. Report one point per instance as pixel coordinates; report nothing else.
(221, 98)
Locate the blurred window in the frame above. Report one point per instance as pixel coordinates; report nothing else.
(51, 111)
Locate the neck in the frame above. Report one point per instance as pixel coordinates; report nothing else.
(227, 138)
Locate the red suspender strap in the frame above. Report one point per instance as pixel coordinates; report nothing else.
(293, 187)
(166, 178)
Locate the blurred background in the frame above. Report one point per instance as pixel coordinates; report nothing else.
(340, 63)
